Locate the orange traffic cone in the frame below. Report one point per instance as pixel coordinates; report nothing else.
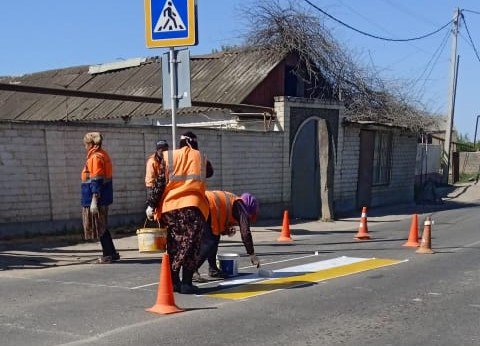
(413, 235)
(165, 301)
(362, 233)
(426, 244)
(285, 235)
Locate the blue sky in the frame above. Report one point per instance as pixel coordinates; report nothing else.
(48, 34)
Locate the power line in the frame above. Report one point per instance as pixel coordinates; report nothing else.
(375, 36)
(470, 38)
(471, 11)
(433, 61)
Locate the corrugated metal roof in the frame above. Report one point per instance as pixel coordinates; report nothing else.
(225, 77)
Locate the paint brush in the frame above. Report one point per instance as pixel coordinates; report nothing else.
(265, 273)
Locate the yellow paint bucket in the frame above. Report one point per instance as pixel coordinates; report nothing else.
(152, 239)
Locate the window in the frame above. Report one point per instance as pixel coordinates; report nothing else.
(382, 158)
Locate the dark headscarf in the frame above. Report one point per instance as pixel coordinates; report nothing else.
(190, 139)
(162, 144)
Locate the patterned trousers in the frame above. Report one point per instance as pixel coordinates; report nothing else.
(184, 234)
(94, 225)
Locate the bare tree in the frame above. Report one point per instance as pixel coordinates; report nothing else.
(327, 67)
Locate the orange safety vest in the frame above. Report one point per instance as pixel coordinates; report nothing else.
(98, 165)
(221, 205)
(97, 177)
(152, 170)
(186, 176)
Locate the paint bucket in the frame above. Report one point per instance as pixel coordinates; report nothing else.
(152, 239)
(228, 263)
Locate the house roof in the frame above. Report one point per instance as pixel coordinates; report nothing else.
(225, 77)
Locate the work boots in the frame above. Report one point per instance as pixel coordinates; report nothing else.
(177, 284)
(187, 286)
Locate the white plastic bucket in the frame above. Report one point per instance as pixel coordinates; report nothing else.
(228, 263)
(152, 239)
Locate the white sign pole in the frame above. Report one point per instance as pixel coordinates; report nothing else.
(173, 93)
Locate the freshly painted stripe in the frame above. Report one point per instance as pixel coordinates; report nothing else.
(297, 270)
(270, 285)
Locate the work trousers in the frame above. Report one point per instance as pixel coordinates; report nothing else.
(209, 248)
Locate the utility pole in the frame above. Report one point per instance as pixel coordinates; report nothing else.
(451, 97)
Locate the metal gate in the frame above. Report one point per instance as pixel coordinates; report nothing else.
(306, 201)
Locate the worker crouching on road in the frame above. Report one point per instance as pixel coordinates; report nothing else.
(97, 195)
(226, 211)
(178, 201)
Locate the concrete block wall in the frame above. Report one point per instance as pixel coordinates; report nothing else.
(40, 166)
(469, 162)
(401, 187)
(346, 169)
(23, 175)
(399, 190)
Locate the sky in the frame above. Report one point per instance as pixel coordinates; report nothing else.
(49, 34)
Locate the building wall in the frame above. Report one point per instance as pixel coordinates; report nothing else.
(40, 167)
(346, 170)
(401, 186)
(469, 162)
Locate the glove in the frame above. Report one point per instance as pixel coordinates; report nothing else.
(255, 261)
(149, 213)
(93, 205)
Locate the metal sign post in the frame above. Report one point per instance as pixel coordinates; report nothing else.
(171, 23)
(173, 94)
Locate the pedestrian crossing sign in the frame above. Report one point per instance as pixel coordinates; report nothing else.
(170, 23)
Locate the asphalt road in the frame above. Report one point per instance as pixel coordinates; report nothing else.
(422, 300)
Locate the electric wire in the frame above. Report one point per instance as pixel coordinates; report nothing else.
(432, 62)
(375, 36)
(470, 38)
(438, 53)
(471, 11)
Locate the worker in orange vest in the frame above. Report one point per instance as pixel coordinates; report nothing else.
(178, 201)
(152, 167)
(97, 195)
(226, 211)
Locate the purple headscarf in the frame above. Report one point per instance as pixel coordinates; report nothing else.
(251, 203)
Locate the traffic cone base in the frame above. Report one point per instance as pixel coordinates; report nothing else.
(164, 309)
(362, 233)
(413, 235)
(426, 244)
(284, 239)
(165, 300)
(285, 235)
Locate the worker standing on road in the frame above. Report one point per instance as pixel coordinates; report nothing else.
(153, 165)
(226, 211)
(97, 195)
(178, 200)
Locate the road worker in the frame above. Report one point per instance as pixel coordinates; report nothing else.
(153, 164)
(178, 201)
(97, 195)
(226, 211)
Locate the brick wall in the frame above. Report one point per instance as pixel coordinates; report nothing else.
(40, 167)
(469, 162)
(346, 170)
(401, 186)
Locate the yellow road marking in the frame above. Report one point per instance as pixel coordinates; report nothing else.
(266, 286)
